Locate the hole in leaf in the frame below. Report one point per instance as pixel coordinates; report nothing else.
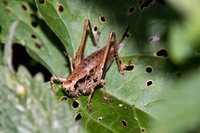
(128, 67)
(33, 36)
(38, 45)
(5, 2)
(149, 83)
(78, 116)
(120, 62)
(102, 19)
(60, 8)
(124, 122)
(41, 1)
(34, 24)
(142, 130)
(75, 104)
(149, 69)
(179, 75)
(24, 7)
(95, 28)
(154, 38)
(131, 10)
(162, 53)
(145, 4)
(100, 118)
(127, 35)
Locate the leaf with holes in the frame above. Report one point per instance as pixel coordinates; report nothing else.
(110, 116)
(134, 97)
(144, 53)
(33, 33)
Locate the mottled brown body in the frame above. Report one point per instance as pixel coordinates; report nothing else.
(87, 73)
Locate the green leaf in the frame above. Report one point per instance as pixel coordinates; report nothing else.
(56, 22)
(111, 116)
(180, 112)
(184, 32)
(139, 87)
(27, 105)
(32, 33)
(138, 90)
(135, 96)
(143, 25)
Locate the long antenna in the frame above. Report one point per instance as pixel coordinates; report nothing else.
(124, 35)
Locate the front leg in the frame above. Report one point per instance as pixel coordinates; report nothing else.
(53, 80)
(116, 49)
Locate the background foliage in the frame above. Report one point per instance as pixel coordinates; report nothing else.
(160, 93)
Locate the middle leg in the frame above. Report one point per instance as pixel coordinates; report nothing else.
(116, 56)
(117, 46)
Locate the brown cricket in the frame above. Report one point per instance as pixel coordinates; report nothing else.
(87, 73)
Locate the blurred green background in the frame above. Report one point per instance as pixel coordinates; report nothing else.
(160, 93)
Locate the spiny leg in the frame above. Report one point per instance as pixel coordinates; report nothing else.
(70, 61)
(53, 80)
(103, 83)
(79, 53)
(90, 97)
(116, 48)
(119, 66)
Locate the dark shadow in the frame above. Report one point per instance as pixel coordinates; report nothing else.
(21, 57)
(191, 64)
